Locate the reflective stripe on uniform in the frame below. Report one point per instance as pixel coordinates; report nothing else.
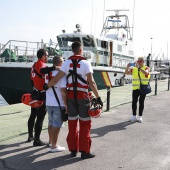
(141, 80)
(81, 118)
(79, 89)
(135, 84)
(73, 118)
(85, 119)
(135, 79)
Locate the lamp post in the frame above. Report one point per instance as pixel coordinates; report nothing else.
(151, 48)
(150, 61)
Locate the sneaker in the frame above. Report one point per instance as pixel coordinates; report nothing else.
(39, 143)
(140, 119)
(87, 155)
(73, 153)
(133, 119)
(57, 149)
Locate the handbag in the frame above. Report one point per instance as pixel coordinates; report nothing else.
(144, 88)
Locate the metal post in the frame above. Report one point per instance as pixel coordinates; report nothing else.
(10, 52)
(108, 98)
(156, 83)
(151, 48)
(0, 48)
(26, 52)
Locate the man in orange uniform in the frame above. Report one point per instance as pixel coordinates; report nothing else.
(79, 74)
(35, 121)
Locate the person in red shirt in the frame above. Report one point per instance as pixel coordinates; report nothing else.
(35, 121)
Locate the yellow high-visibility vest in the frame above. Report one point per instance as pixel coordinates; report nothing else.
(136, 80)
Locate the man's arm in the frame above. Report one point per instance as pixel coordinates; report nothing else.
(46, 70)
(55, 79)
(146, 71)
(127, 70)
(92, 84)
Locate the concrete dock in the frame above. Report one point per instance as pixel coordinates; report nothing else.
(117, 143)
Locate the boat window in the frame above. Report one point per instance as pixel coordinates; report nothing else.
(130, 52)
(59, 41)
(97, 41)
(104, 44)
(67, 41)
(88, 42)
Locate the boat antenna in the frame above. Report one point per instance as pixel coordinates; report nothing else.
(92, 17)
(133, 18)
(103, 12)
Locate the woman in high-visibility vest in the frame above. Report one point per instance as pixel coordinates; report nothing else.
(138, 69)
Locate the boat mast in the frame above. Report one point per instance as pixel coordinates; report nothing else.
(133, 18)
(103, 12)
(106, 29)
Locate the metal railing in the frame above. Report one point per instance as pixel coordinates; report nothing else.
(116, 96)
(24, 48)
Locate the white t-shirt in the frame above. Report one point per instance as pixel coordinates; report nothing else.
(85, 68)
(50, 97)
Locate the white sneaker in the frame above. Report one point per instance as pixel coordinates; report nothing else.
(57, 149)
(140, 119)
(133, 119)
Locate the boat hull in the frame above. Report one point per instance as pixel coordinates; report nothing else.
(15, 81)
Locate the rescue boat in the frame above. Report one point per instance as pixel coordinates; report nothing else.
(109, 53)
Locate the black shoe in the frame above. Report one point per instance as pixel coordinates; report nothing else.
(73, 153)
(39, 143)
(87, 155)
(30, 139)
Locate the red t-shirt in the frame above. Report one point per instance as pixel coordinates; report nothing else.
(38, 82)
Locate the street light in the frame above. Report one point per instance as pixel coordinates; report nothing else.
(151, 48)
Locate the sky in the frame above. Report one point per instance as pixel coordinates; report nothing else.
(33, 20)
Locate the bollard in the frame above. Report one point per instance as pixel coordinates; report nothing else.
(168, 83)
(156, 84)
(108, 98)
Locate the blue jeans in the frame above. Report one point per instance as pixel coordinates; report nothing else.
(54, 116)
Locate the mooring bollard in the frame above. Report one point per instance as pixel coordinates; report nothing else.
(108, 98)
(156, 84)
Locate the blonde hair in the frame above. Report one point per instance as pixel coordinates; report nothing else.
(141, 58)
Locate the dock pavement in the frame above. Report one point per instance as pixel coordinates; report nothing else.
(117, 143)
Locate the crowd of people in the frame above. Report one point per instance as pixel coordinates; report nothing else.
(70, 81)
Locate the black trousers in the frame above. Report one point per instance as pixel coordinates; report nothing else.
(35, 121)
(135, 95)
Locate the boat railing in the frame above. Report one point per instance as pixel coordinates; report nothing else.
(26, 49)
